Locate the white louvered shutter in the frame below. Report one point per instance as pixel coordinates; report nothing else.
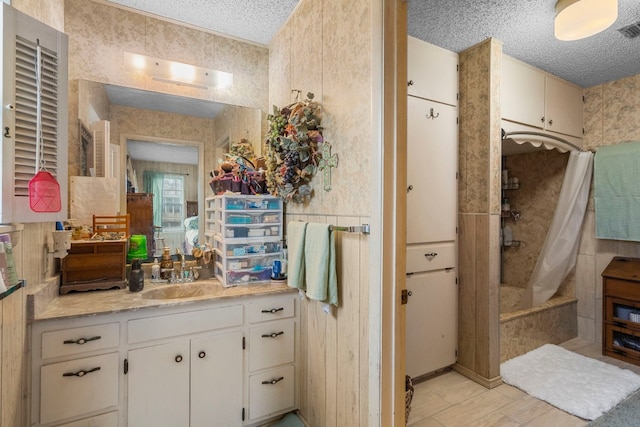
(21, 35)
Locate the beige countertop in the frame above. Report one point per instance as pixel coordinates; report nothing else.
(153, 295)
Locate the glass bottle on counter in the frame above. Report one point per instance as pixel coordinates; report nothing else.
(166, 264)
(136, 276)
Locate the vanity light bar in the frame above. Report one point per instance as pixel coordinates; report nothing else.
(175, 72)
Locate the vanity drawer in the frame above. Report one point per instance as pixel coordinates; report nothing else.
(63, 395)
(67, 342)
(431, 257)
(273, 309)
(104, 420)
(173, 325)
(271, 392)
(271, 344)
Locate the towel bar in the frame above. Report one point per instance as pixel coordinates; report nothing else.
(364, 228)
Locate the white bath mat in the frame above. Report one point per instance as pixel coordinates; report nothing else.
(576, 384)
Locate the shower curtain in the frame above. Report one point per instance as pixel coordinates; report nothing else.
(560, 248)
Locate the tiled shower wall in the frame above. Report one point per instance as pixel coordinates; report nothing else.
(611, 116)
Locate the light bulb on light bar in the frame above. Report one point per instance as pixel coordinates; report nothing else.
(177, 72)
(578, 19)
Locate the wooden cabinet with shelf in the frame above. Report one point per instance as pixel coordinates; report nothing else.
(621, 309)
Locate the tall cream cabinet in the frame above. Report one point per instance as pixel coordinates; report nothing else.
(532, 97)
(432, 164)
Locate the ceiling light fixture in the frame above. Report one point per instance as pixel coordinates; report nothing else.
(177, 73)
(577, 19)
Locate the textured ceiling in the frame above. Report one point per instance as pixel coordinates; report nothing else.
(252, 20)
(524, 26)
(526, 29)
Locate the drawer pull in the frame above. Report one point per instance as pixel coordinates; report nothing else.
(178, 358)
(202, 354)
(273, 310)
(431, 256)
(273, 335)
(81, 341)
(80, 373)
(273, 381)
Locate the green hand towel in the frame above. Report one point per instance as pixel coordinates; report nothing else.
(320, 264)
(295, 247)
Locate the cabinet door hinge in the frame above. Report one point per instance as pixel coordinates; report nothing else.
(456, 280)
(457, 121)
(126, 366)
(244, 343)
(242, 414)
(457, 67)
(404, 297)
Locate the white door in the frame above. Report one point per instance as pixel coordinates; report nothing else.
(432, 159)
(432, 321)
(216, 380)
(432, 72)
(563, 107)
(158, 385)
(522, 93)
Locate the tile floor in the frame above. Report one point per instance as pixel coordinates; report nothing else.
(452, 400)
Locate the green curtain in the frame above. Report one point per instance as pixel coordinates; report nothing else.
(153, 184)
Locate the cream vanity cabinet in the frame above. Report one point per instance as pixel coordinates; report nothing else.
(535, 98)
(432, 197)
(190, 380)
(76, 373)
(229, 362)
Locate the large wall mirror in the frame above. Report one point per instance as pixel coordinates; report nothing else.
(162, 145)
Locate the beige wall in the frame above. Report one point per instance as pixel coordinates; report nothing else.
(611, 116)
(32, 265)
(336, 65)
(479, 216)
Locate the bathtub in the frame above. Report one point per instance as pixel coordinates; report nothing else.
(521, 331)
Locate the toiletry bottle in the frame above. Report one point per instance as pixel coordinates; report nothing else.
(166, 265)
(136, 276)
(155, 269)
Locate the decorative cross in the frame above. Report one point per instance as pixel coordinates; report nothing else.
(327, 162)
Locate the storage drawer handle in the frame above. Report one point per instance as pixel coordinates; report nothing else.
(80, 373)
(431, 255)
(273, 310)
(81, 341)
(273, 381)
(273, 335)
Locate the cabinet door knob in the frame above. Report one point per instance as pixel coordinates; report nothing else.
(410, 83)
(273, 335)
(178, 358)
(410, 293)
(81, 341)
(202, 354)
(551, 122)
(273, 381)
(80, 373)
(542, 119)
(409, 188)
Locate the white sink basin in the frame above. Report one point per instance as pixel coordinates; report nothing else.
(181, 291)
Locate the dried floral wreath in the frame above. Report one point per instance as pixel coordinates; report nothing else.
(292, 149)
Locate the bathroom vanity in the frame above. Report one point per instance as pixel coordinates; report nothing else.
(194, 354)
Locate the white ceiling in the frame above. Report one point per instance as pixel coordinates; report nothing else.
(524, 26)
